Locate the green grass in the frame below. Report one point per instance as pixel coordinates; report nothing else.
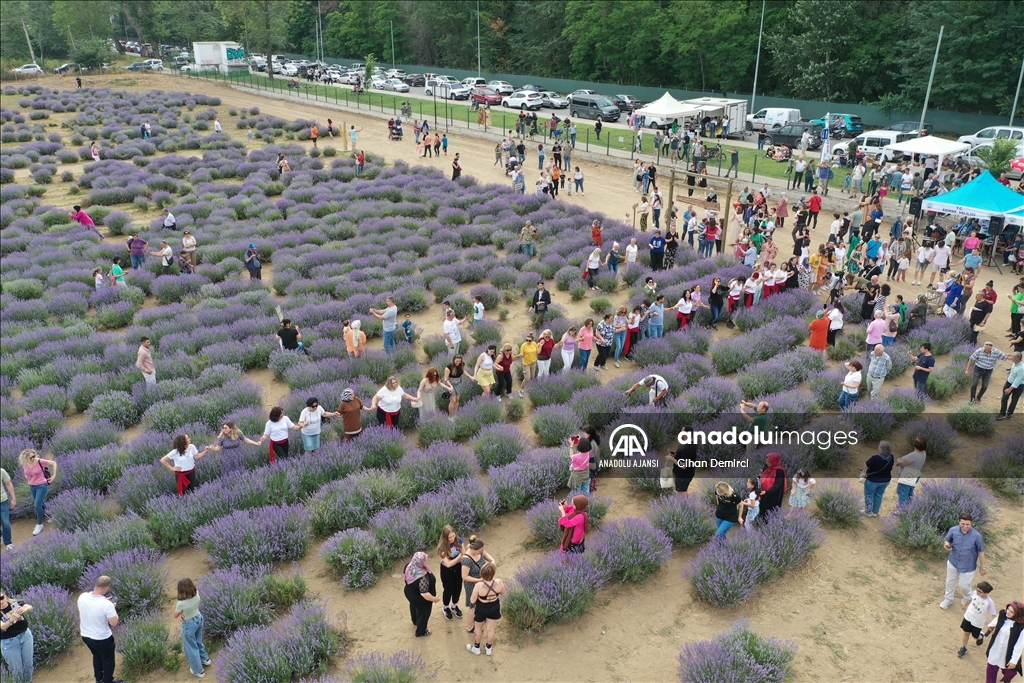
(462, 115)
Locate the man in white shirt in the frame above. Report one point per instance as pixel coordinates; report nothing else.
(452, 335)
(96, 614)
(939, 260)
(169, 222)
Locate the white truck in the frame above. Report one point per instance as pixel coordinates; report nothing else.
(224, 56)
(772, 118)
(721, 107)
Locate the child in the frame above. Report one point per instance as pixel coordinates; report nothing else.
(478, 309)
(419, 148)
(444, 143)
(803, 484)
(902, 267)
(977, 611)
(579, 466)
(249, 134)
(752, 503)
(407, 326)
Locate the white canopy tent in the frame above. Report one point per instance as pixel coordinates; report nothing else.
(665, 109)
(930, 145)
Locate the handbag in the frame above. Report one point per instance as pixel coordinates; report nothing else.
(446, 394)
(864, 474)
(667, 480)
(46, 470)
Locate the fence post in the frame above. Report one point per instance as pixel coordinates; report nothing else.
(588, 141)
(633, 146)
(720, 154)
(608, 144)
(753, 176)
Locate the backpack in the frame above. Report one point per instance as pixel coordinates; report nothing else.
(893, 326)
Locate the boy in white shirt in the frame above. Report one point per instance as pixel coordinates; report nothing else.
(978, 610)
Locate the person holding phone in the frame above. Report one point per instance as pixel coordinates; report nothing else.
(16, 641)
(97, 613)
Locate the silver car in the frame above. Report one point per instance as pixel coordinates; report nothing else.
(396, 84)
(553, 100)
(502, 87)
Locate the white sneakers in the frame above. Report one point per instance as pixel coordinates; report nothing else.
(10, 547)
(38, 530)
(945, 604)
(475, 649)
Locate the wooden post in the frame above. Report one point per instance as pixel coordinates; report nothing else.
(671, 191)
(344, 136)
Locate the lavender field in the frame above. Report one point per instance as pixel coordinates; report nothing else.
(263, 536)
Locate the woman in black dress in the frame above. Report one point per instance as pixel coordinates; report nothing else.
(420, 591)
(682, 476)
(773, 486)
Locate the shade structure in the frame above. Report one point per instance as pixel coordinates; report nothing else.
(668, 107)
(929, 145)
(1015, 217)
(983, 197)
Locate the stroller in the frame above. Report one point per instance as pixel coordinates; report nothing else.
(395, 129)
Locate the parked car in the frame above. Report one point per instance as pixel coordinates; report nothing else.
(356, 65)
(503, 87)
(137, 66)
(577, 93)
(911, 127)
(553, 100)
(772, 118)
(26, 69)
(447, 79)
(445, 90)
(629, 103)
(853, 125)
(155, 64)
(523, 99)
(352, 77)
(790, 135)
(290, 70)
(332, 77)
(196, 68)
(415, 80)
(992, 132)
(485, 96)
(1016, 169)
(66, 68)
(277, 68)
(396, 84)
(474, 82)
(873, 143)
(593, 107)
(377, 82)
(531, 87)
(395, 73)
(973, 158)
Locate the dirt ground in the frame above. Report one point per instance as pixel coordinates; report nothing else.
(858, 611)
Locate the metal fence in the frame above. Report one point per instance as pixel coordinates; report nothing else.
(949, 122)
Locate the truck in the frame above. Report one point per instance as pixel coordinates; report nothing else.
(721, 107)
(224, 56)
(772, 118)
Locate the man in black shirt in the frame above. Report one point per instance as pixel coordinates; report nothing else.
(291, 339)
(979, 315)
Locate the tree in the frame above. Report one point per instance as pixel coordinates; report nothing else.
(811, 50)
(91, 53)
(999, 155)
(370, 65)
(263, 22)
(894, 103)
(84, 19)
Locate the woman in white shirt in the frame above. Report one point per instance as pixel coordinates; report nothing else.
(851, 384)
(182, 461)
(310, 421)
(276, 430)
(593, 268)
(752, 289)
(835, 322)
(631, 250)
(735, 291)
(781, 275)
(1004, 651)
(683, 308)
(387, 402)
(924, 257)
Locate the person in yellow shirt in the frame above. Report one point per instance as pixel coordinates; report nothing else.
(528, 352)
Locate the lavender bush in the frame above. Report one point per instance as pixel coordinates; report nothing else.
(236, 597)
(543, 517)
(940, 438)
(54, 621)
(629, 550)
(136, 579)
(943, 333)
(75, 509)
(559, 587)
(936, 508)
(355, 556)
(404, 666)
(499, 445)
(533, 478)
(427, 469)
(256, 536)
(397, 533)
(144, 646)
(1002, 467)
(739, 654)
(972, 420)
(685, 520)
(554, 424)
(838, 505)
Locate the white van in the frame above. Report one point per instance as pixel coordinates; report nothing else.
(772, 118)
(873, 143)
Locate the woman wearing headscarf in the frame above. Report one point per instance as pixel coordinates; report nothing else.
(420, 591)
(574, 522)
(351, 411)
(1004, 649)
(781, 211)
(355, 339)
(819, 331)
(773, 485)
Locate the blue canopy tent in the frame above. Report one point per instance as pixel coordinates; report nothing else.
(983, 197)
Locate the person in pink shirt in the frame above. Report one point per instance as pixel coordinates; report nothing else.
(84, 219)
(144, 361)
(876, 328)
(579, 465)
(574, 522)
(585, 339)
(40, 474)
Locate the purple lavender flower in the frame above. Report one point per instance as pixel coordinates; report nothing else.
(137, 579)
(256, 536)
(629, 549)
(739, 654)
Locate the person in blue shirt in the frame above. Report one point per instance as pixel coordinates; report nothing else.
(966, 550)
(953, 293)
(874, 244)
(657, 245)
(656, 318)
(407, 326)
(444, 143)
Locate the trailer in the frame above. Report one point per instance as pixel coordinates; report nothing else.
(223, 56)
(736, 110)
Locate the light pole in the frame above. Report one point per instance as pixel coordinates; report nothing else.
(931, 77)
(757, 62)
(393, 44)
(478, 41)
(1013, 110)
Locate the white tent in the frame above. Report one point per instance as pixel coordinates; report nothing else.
(930, 145)
(667, 108)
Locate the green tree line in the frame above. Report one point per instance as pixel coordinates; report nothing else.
(871, 51)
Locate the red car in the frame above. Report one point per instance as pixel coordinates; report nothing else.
(1016, 168)
(485, 96)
